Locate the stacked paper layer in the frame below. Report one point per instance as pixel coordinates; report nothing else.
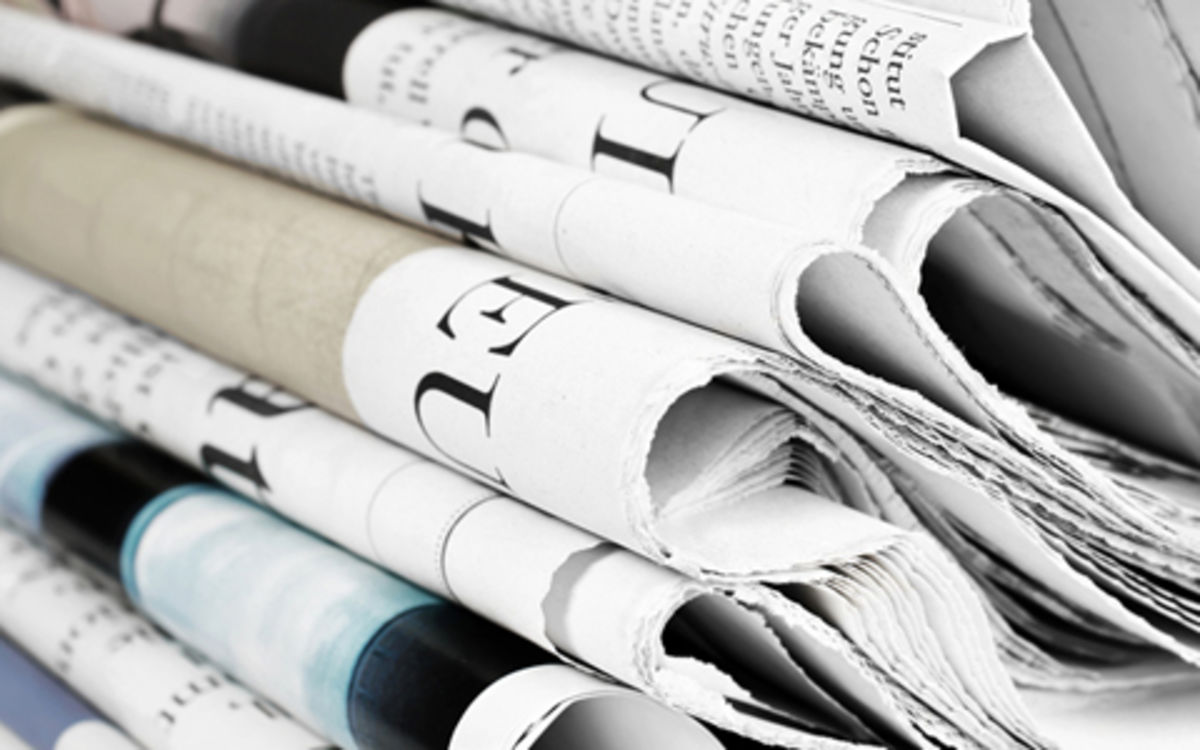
(827, 420)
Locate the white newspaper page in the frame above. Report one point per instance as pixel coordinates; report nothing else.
(1131, 70)
(1160, 718)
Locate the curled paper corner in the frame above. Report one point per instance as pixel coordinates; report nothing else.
(554, 706)
(689, 644)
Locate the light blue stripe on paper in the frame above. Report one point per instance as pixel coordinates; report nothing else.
(37, 436)
(287, 613)
(133, 536)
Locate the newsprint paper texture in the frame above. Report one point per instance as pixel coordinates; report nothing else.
(1125, 538)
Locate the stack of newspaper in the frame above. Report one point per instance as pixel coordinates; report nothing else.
(802, 365)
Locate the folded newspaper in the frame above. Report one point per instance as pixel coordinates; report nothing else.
(498, 87)
(1133, 71)
(1062, 331)
(164, 695)
(865, 669)
(962, 79)
(338, 641)
(757, 445)
(1131, 549)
